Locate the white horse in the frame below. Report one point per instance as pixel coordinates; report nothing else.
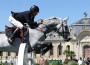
(35, 37)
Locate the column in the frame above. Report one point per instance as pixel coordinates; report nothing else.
(55, 54)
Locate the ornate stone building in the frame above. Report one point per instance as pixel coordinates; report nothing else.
(80, 43)
(81, 31)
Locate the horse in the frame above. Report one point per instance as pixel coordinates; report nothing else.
(35, 37)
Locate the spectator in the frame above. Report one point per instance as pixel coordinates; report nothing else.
(80, 61)
(11, 63)
(42, 61)
(88, 61)
(6, 63)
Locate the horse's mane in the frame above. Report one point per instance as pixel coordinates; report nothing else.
(52, 20)
(55, 20)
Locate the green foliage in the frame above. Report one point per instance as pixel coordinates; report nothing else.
(82, 64)
(37, 64)
(69, 53)
(46, 62)
(57, 63)
(66, 53)
(3, 63)
(72, 63)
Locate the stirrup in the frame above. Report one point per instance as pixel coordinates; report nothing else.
(10, 41)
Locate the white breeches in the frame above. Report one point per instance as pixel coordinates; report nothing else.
(15, 22)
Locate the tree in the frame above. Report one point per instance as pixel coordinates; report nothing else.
(66, 53)
(70, 54)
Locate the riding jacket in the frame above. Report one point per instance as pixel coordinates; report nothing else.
(25, 17)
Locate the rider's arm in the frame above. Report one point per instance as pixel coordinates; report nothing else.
(31, 22)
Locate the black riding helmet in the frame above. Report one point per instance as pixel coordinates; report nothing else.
(34, 8)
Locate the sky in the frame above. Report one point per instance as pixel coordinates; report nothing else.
(73, 9)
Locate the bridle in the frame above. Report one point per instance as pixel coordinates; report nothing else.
(65, 31)
(62, 26)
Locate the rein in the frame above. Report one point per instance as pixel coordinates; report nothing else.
(41, 29)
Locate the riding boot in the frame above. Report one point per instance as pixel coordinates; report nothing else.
(12, 38)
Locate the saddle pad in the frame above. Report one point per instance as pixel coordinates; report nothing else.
(9, 31)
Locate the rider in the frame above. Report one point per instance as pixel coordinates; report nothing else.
(19, 18)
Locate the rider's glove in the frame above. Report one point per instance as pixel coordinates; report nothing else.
(40, 21)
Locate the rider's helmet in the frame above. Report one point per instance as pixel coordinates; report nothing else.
(34, 8)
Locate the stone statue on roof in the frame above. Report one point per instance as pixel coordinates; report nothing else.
(85, 14)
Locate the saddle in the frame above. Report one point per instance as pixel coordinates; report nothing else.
(9, 31)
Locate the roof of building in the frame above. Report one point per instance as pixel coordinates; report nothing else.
(84, 20)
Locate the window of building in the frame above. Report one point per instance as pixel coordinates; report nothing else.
(68, 47)
(1, 53)
(60, 49)
(16, 53)
(8, 53)
(51, 51)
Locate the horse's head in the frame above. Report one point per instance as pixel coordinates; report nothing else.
(57, 24)
(63, 30)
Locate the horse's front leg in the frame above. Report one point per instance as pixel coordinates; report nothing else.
(46, 46)
(43, 47)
